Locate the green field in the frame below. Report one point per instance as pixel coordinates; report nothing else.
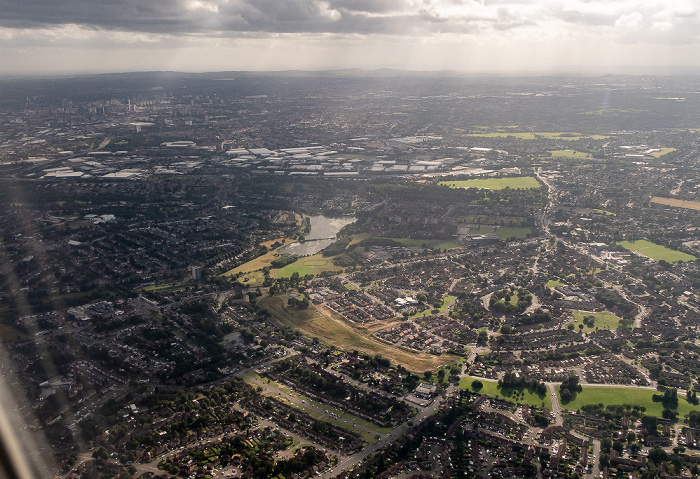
(603, 320)
(253, 279)
(492, 389)
(446, 303)
(624, 395)
(514, 182)
(506, 232)
(290, 269)
(569, 154)
(605, 212)
(553, 283)
(430, 243)
(656, 252)
(538, 134)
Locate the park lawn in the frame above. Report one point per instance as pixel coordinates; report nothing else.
(513, 182)
(307, 265)
(254, 279)
(254, 264)
(662, 152)
(603, 320)
(504, 134)
(569, 154)
(687, 204)
(506, 232)
(162, 287)
(553, 283)
(334, 330)
(430, 243)
(369, 437)
(605, 212)
(10, 334)
(481, 230)
(492, 389)
(656, 252)
(447, 301)
(624, 395)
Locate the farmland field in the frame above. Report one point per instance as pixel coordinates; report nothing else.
(690, 205)
(515, 182)
(491, 389)
(656, 252)
(334, 330)
(623, 395)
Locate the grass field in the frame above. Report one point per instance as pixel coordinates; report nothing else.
(254, 279)
(446, 303)
(569, 154)
(369, 437)
(334, 330)
(515, 182)
(606, 213)
(552, 283)
(662, 152)
(307, 265)
(10, 334)
(430, 243)
(656, 252)
(690, 205)
(537, 134)
(624, 395)
(603, 320)
(491, 389)
(505, 232)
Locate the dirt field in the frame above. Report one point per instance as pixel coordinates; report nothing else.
(691, 205)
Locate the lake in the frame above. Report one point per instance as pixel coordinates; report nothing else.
(322, 234)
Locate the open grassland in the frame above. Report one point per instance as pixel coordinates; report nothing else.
(623, 395)
(506, 232)
(492, 389)
(332, 329)
(690, 205)
(662, 152)
(515, 182)
(569, 154)
(603, 320)
(656, 252)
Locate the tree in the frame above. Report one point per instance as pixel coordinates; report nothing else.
(477, 385)
(631, 437)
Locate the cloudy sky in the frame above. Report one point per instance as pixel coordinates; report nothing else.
(531, 36)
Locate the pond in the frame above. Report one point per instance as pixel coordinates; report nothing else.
(322, 234)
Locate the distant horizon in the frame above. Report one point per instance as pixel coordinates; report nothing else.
(499, 36)
(689, 71)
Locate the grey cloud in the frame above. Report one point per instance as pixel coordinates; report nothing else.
(235, 16)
